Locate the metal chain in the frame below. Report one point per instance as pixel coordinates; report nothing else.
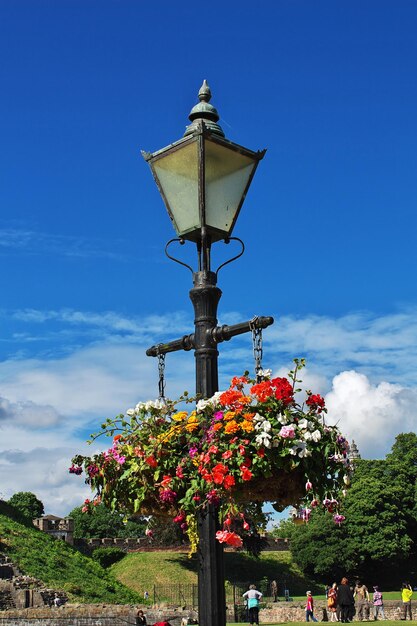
(257, 346)
(161, 372)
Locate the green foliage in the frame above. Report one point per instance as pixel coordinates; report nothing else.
(283, 530)
(59, 565)
(379, 536)
(27, 504)
(101, 523)
(108, 556)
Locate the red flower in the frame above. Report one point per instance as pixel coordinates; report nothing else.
(232, 539)
(238, 381)
(219, 472)
(227, 454)
(261, 452)
(166, 481)
(283, 390)
(315, 402)
(151, 461)
(229, 481)
(245, 473)
(262, 390)
(242, 450)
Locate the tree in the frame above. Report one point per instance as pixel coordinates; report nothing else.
(102, 522)
(379, 535)
(27, 504)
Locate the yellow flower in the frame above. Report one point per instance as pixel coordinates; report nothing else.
(231, 427)
(192, 423)
(229, 415)
(180, 416)
(247, 426)
(170, 434)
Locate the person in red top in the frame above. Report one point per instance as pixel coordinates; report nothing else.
(310, 608)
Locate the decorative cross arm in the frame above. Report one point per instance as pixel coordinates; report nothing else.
(218, 335)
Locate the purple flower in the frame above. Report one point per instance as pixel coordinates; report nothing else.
(192, 451)
(218, 416)
(75, 469)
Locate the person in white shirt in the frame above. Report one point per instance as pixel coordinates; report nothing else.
(253, 596)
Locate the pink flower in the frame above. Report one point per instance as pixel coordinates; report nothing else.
(338, 519)
(309, 486)
(232, 539)
(287, 432)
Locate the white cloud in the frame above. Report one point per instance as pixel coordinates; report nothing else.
(370, 414)
(47, 404)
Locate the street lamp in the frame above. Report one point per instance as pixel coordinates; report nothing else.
(203, 179)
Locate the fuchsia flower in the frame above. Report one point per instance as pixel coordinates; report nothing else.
(168, 496)
(75, 469)
(338, 519)
(232, 539)
(309, 486)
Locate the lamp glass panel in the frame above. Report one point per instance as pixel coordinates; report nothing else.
(226, 177)
(177, 173)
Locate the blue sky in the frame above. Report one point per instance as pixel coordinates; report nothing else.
(330, 89)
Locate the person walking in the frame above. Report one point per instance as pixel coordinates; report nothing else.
(361, 593)
(253, 596)
(406, 595)
(332, 602)
(346, 601)
(310, 608)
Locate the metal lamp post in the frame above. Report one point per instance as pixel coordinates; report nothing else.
(203, 179)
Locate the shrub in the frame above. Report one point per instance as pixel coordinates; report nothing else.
(108, 556)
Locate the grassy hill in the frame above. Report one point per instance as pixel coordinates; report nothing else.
(57, 564)
(142, 570)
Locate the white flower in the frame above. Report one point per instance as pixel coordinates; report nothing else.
(263, 439)
(300, 448)
(264, 373)
(282, 419)
(131, 412)
(303, 424)
(210, 402)
(316, 436)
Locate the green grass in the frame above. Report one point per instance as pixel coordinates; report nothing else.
(57, 564)
(142, 570)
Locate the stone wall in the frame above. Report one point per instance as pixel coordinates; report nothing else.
(123, 615)
(89, 615)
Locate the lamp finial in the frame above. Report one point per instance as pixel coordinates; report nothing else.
(204, 111)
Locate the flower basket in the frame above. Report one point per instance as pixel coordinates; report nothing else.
(249, 444)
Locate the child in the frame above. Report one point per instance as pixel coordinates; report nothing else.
(310, 608)
(378, 603)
